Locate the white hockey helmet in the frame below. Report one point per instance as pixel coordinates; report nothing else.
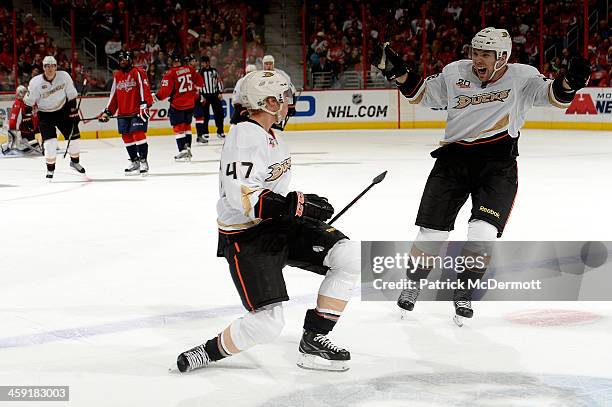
(493, 39)
(258, 86)
(250, 68)
(267, 58)
(49, 60)
(21, 92)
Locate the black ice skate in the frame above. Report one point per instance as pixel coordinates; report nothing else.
(133, 168)
(202, 140)
(318, 353)
(77, 167)
(191, 359)
(144, 167)
(221, 135)
(184, 155)
(49, 175)
(463, 306)
(407, 299)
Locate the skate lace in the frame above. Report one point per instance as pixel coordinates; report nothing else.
(462, 299)
(324, 340)
(197, 357)
(463, 304)
(409, 295)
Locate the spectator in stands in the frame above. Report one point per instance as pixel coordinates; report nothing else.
(322, 73)
(113, 46)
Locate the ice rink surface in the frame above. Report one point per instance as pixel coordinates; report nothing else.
(106, 279)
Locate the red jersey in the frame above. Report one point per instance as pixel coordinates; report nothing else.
(182, 85)
(17, 112)
(130, 89)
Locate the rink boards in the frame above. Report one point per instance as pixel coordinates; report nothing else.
(364, 109)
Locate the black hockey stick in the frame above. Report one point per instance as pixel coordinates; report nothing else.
(375, 181)
(83, 93)
(110, 117)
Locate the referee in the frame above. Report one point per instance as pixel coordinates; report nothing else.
(211, 96)
(56, 97)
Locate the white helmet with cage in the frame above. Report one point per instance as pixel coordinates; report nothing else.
(258, 86)
(494, 39)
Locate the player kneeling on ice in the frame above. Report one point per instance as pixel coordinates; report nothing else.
(131, 98)
(263, 227)
(487, 100)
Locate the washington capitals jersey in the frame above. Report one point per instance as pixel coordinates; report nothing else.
(130, 89)
(181, 85)
(252, 161)
(17, 112)
(475, 112)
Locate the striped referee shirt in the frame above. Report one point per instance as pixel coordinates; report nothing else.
(212, 82)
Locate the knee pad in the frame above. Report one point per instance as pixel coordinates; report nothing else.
(75, 147)
(480, 235)
(140, 137)
(344, 262)
(128, 139)
(50, 148)
(429, 241)
(260, 326)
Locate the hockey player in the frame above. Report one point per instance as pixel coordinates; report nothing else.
(268, 65)
(56, 97)
(181, 84)
(131, 98)
(487, 99)
(240, 112)
(23, 131)
(263, 227)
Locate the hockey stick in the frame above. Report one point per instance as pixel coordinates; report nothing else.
(83, 93)
(110, 117)
(375, 181)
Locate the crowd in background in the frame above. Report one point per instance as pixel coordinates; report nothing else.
(335, 42)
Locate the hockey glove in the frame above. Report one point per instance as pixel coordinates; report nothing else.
(388, 62)
(578, 73)
(104, 116)
(73, 112)
(26, 123)
(144, 112)
(291, 111)
(309, 206)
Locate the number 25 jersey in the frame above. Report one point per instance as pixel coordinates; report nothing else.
(181, 84)
(253, 162)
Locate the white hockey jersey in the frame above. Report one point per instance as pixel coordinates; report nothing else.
(252, 160)
(475, 112)
(50, 96)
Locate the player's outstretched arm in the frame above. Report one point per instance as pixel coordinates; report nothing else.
(295, 204)
(576, 78)
(393, 67)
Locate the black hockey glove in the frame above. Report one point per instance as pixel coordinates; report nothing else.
(309, 205)
(26, 123)
(73, 111)
(105, 116)
(389, 62)
(578, 73)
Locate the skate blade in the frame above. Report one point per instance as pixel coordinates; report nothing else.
(312, 362)
(144, 174)
(403, 314)
(458, 319)
(131, 174)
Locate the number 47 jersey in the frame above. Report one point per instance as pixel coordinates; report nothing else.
(182, 85)
(253, 163)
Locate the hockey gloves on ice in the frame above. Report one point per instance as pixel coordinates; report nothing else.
(578, 73)
(144, 112)
(389, 62)
(104, 116)
(309, 205)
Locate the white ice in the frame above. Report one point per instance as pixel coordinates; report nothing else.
(105, 280)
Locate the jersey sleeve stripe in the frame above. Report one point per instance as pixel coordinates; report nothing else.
(112, 93)
(553, 100)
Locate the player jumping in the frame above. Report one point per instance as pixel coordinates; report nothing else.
(263, 227)
(487, 100)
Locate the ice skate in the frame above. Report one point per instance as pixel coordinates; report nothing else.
(193, 358)
(133, 168)
(184, 155)
(49, 176)
(463, 306)
(407, 300)
(77, 167)
(202, 140)
(221, 135)
(144, 167)
(318, 353)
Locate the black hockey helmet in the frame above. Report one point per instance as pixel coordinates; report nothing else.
(174, 57)
(189, 58)
(125, 55)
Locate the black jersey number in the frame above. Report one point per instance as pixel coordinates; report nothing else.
(231, 169)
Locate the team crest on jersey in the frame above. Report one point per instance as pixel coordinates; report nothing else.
(127, 84)
(465, 101)
(278, 169)
(267, 74)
